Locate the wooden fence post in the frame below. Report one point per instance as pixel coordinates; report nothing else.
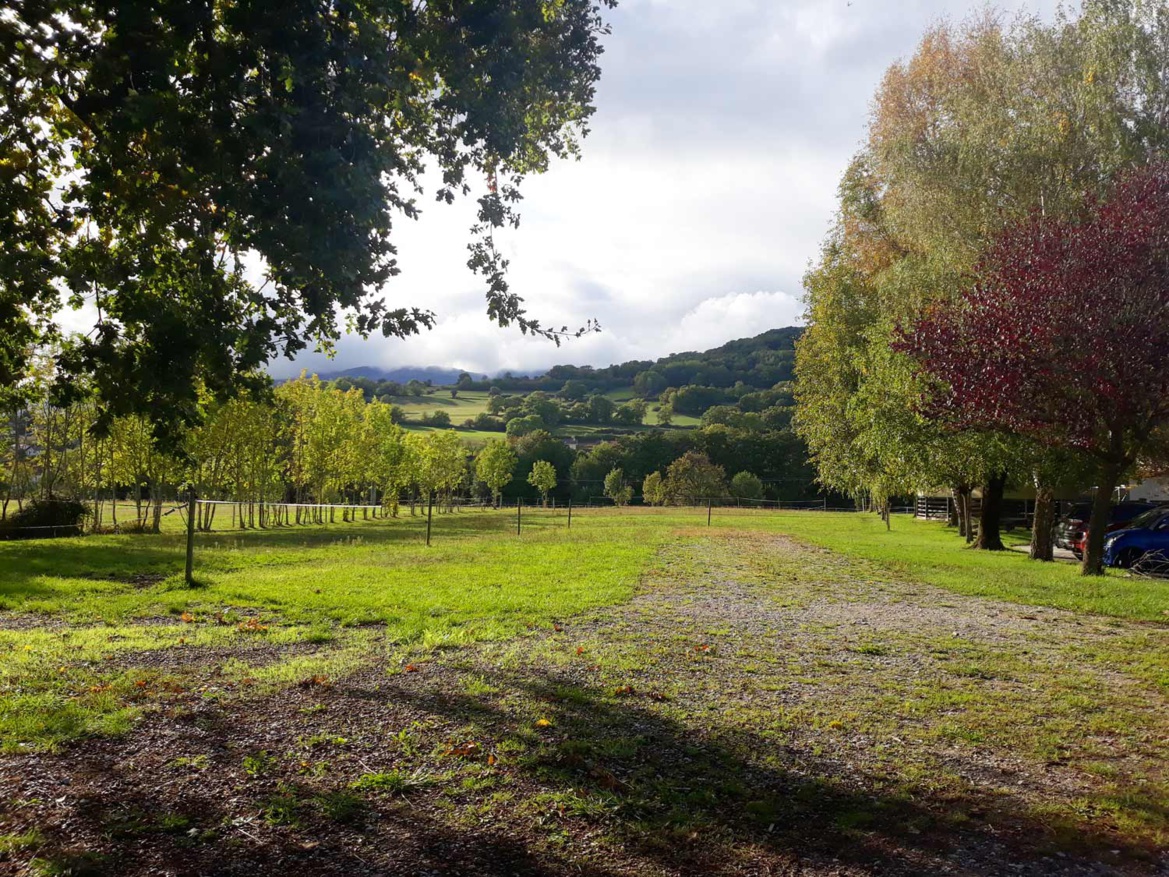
(429, 515)
(191, 505)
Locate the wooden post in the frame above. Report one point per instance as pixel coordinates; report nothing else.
(519, 504)
(191, 505)
(709, 507)
(429, 515)
(570, 514)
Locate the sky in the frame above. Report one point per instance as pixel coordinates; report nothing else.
(705, 188)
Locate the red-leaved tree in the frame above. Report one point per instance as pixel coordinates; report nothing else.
(1064, 338)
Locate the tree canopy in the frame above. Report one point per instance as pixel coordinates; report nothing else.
(217, 184)
(988, 124)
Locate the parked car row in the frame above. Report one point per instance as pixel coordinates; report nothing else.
(1071, 531)
(1134, 529)
(1145, 533)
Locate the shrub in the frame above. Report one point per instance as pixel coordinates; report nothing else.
(745, 485)
(693, 479)
(46, 518)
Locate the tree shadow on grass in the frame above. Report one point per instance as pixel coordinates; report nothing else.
(684, 797)
(607, 784)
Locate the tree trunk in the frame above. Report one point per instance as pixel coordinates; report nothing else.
(1042, 543)
(1098, 525)
(962, 507)
(156, 503)
(953, 518)
(989, 538)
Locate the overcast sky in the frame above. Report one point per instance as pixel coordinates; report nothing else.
(706, 186)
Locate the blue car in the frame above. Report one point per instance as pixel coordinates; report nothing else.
(1147, 532)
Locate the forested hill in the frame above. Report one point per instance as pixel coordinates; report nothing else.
(760, 363)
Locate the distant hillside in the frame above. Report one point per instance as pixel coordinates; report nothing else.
(758, 363)
(401, 375)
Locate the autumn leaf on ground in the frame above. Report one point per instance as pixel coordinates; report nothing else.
(410, 668)
(469, 749)
(623, 691)
(311, 681)
(543, 723)
(187, 618)
(607, 780)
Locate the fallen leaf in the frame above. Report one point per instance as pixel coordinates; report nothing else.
(470, 749)
(410, 668)
(543, 723)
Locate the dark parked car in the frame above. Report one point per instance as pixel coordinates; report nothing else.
(1147, 532)
(1072, 529)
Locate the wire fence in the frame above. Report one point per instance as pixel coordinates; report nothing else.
(207, 517)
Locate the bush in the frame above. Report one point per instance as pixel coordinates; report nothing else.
(745, 485)
(44, 519)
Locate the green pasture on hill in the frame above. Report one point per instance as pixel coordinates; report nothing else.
(469, 403)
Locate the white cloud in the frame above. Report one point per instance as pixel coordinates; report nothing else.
(721, 132)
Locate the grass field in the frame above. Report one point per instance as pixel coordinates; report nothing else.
(469, 403)
(773, 685)
(472, 403)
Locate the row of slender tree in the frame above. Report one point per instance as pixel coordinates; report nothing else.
(308, 447)
(991, 305)
(308, 452)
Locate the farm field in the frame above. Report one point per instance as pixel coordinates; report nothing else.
(641, 694)
(469, 403)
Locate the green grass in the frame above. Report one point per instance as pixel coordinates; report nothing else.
(469, 403)
(70, 666)
(314, 603)
(668, 716)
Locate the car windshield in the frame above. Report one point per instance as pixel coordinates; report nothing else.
(1147, 519)
(1126, 511)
